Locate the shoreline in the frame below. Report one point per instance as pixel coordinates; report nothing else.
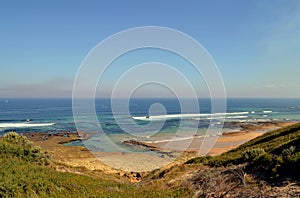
(134, 166)
(221, 143)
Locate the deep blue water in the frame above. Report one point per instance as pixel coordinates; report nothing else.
(50, 115)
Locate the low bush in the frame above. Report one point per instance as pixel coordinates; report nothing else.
(286, 153)
(250, 154)
(15, 145)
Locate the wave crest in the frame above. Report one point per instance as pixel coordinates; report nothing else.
(24, 125)
(182, 116)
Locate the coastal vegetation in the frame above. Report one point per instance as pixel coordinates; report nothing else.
(265, 166)
(274, 155)
(26, 171)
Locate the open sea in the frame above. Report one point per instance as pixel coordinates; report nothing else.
(55, 115)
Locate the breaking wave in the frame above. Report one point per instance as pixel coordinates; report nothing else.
(24, 125)
(183, 116)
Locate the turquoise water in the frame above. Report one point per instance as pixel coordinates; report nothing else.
(55, 115)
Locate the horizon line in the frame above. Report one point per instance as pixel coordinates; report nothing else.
(6, 98)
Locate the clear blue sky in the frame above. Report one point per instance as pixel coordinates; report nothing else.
(256, 44)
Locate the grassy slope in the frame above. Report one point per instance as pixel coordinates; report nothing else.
(24, 173)
(276, 153)
(267, 166)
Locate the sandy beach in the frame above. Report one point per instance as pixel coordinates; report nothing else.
(122, 163)
(216, 145)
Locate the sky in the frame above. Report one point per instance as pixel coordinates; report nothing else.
(255, 44)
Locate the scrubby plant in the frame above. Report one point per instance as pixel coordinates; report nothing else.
(264, 159)
(292, 164)
(286, 153)
(295, 158)
(15, 145)
(16, 139)
(250, 154)
(203, 160)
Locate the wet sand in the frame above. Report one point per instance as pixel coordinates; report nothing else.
(77, 156)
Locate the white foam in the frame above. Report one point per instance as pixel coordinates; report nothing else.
(170, 140)
(173, 116)
(221, 117)
(255, 120)
(237, 117)
(24, 125)
(267, 111)
(181, 139)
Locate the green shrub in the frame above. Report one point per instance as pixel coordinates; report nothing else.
(295, 158)
(203, 160)
(286, 153)
(251, 154)
(15, 145)
(264, 159)
(293, 164)
(16, 139)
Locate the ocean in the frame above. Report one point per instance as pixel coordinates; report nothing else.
(55, 115)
